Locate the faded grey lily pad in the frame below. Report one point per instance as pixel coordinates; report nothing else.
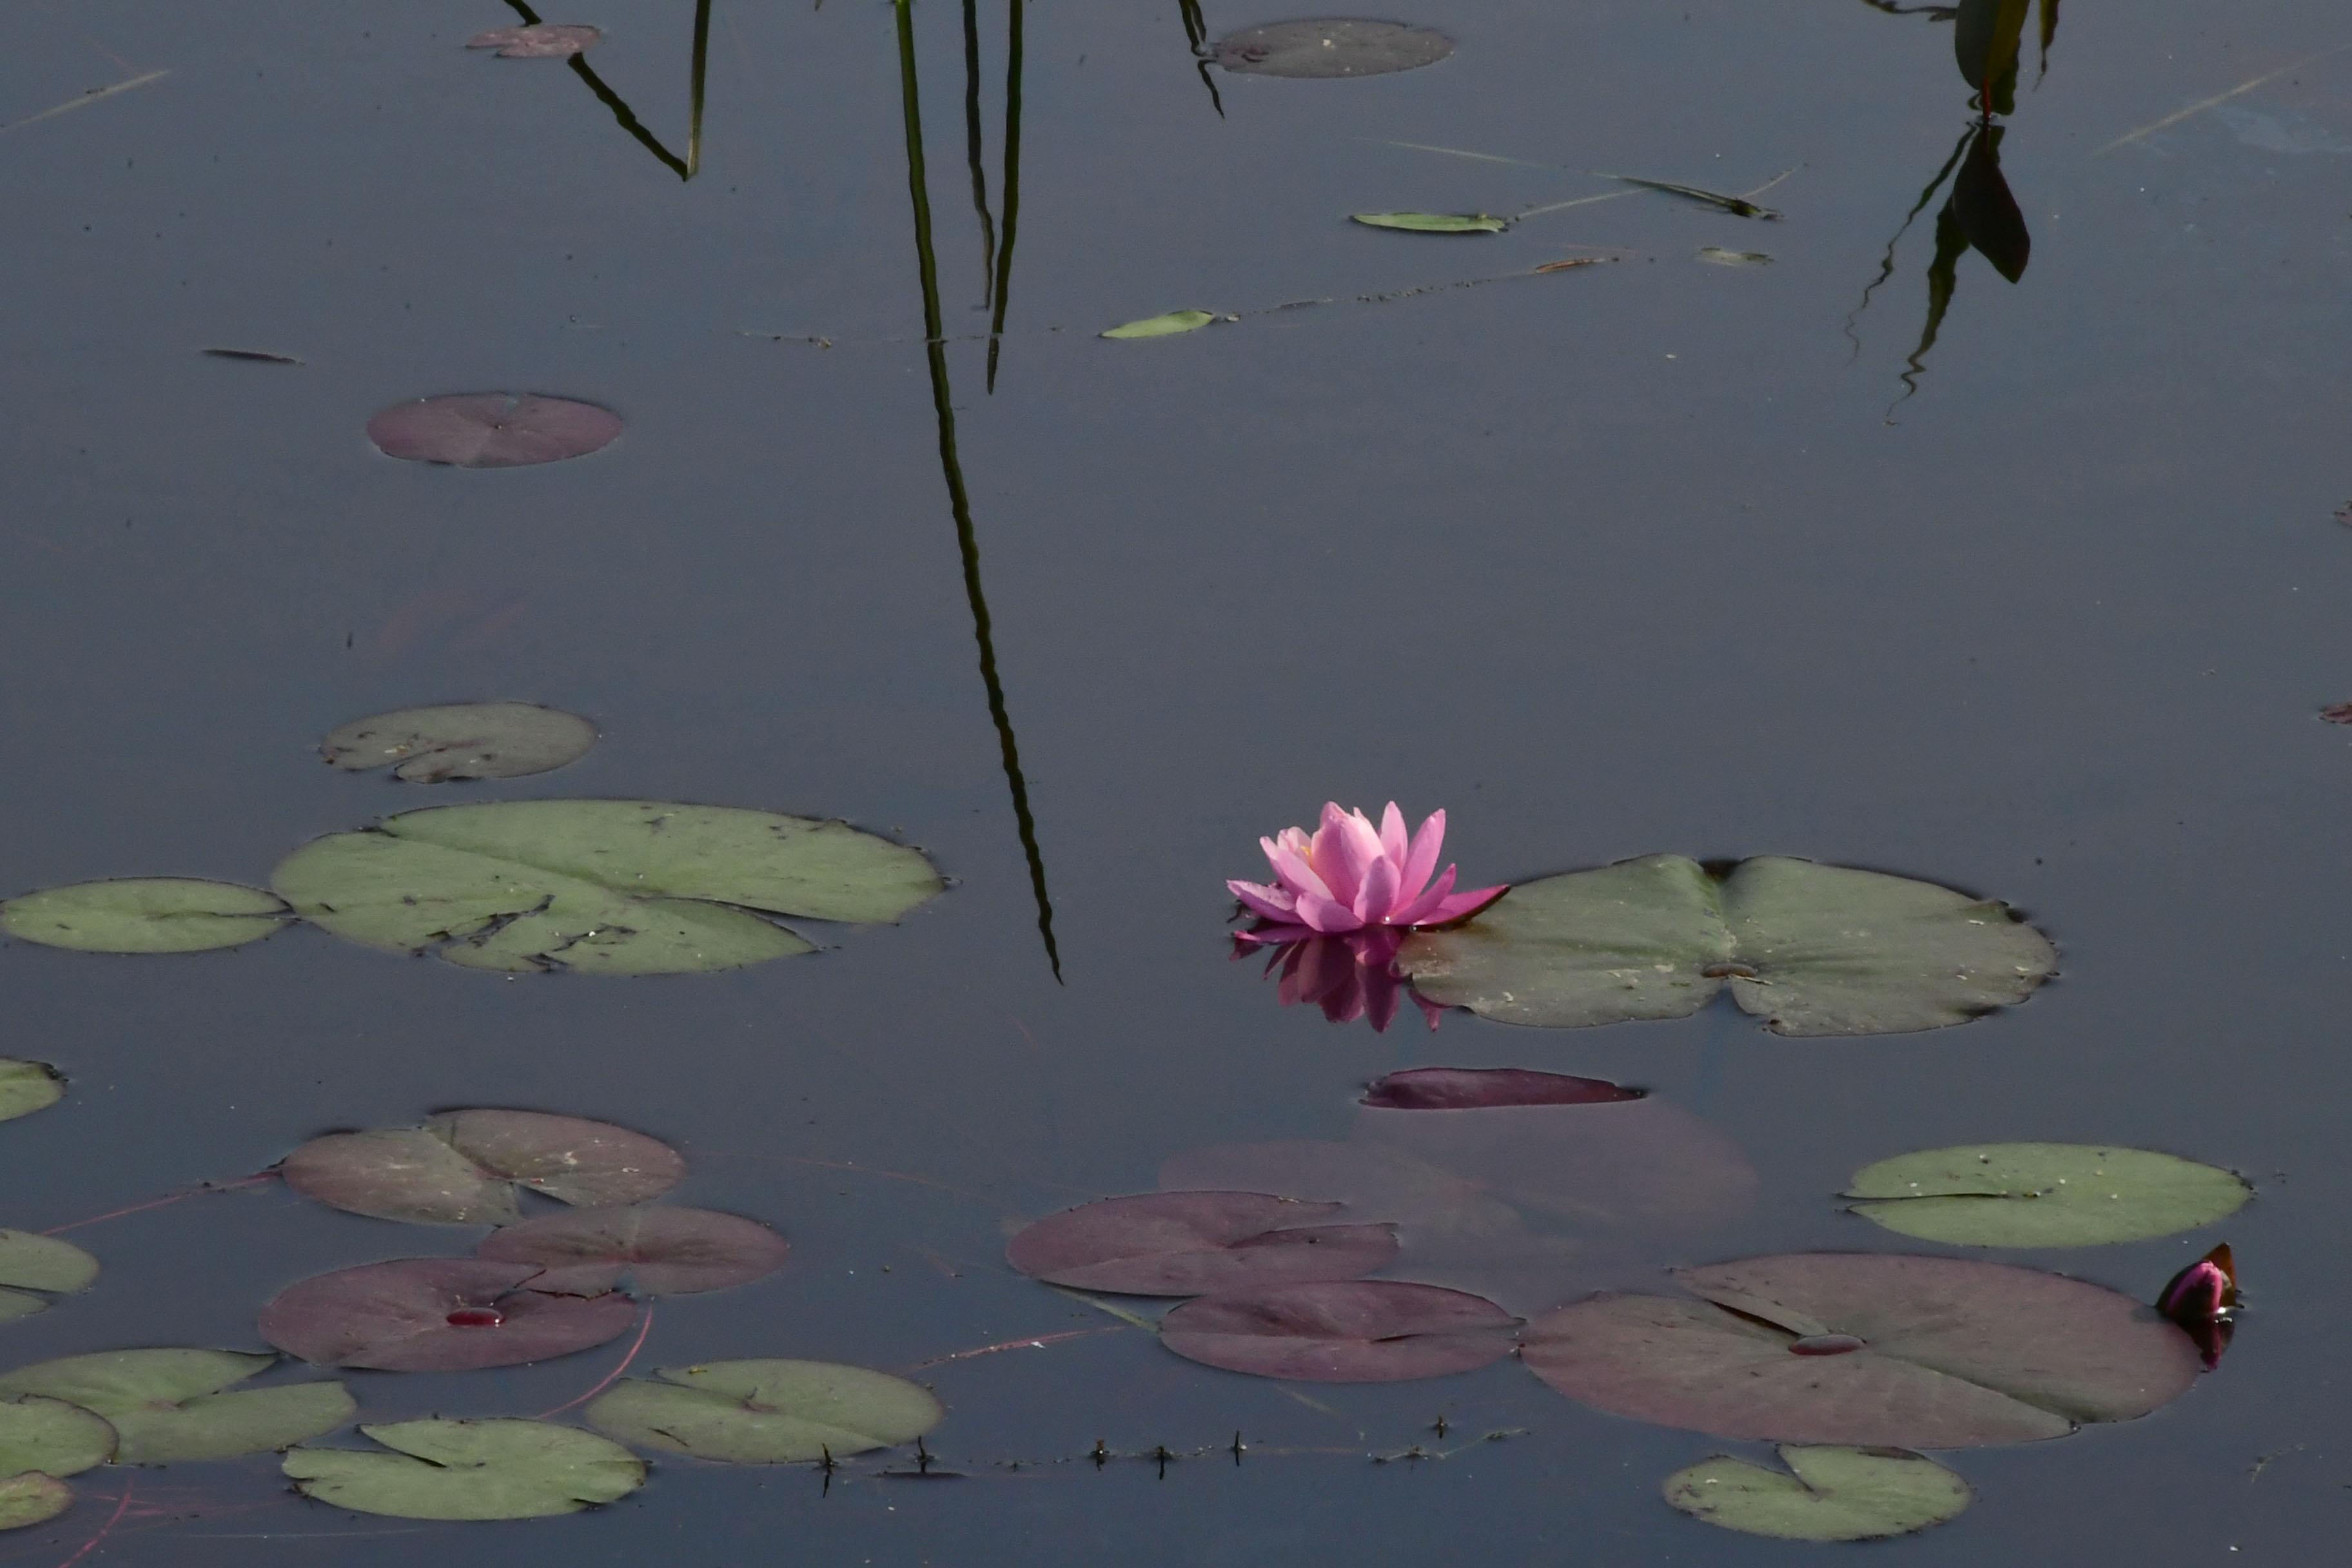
(2044, 1194)
(1163, 326)
(652, 1249)
(1827, 1493)
(27, 1086)
(1436, 223)
(32, 1498)
(1341, 1330)
(461, 741)
(766, 1412)
(144, 914)
(37, 1433)
(1332, 46)
(605, 886)
(470, 1471)
(169, 1405)
(491, 429)
(1811, 949)
(30, 1263)
(1197, 1243)
(540, 41)
(464, 1167)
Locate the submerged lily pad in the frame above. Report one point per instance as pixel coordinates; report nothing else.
(37, 1433)
(766, 1412)
(491, 429)
(1436, 223)
(1341, 1330)
(1488, 1089)
(1827, 1493)
(464, 1167)
(2044, 1194)
(436, 1314)
(1718, 256)
(1332, 46)
(32, 1498)
(172, 1404)
(1867, 1348)
(144, 914)
(654, 1250)
(606, 887)
(1163, 326)
(461, 741)
(1811, 949)
(470, 1471)
(540, 41)
(1197, 1243)
(27, 1086)
(30, 1262)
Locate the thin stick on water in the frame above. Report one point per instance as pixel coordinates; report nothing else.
(645, 1327)
(85, 100)
(2201, 105)
(200, 1189)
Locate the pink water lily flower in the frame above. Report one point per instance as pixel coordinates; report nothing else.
(1351, 875)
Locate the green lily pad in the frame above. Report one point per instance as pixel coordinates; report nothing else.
(765, 1412)
(470, 1471)
(52, 1436)
(2044, 1194)
(1718, 256)
(27, 1086)
(606, 887)
(32, 1498)
(30, 1262)
(1164, 326)
(144, 914)
(461, 741)
(1826, 1494)
(1811, 949)
(168, 1405)
(1436, 223)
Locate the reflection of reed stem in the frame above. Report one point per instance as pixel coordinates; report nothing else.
(972, 148)
(683, 168)
(1012, 188)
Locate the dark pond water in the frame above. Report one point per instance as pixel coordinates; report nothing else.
(1655, 555)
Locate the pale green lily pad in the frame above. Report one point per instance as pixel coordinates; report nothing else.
(31, 1262)
(1811, 949)
(606, 887)
(1164, 326)
(168, 1405)
(2044, 1194)
(32, 1498)
(461, 741)
(766, 1412)
(51, 1436)
(1436, 223)
(27, 1086)
(1826, 1494)
(1718, 256)
(470, 1471)
(144, 914)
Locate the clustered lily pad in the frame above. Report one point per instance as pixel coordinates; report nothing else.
(169, 1405)
(461, 741)
(51, 1435)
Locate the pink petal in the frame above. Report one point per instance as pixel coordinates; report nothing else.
(1344, 846)
(1283, 933)
(1266, 903)
(1394, 840)
(1380, 993)
(1296, 875)
(1421, 859)
(1378, 896)
(1326, 915)
(1461, 906)
(1416, 909)
(1428, 1010)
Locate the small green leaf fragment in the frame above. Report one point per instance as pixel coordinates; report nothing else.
(27, 1086)
(1436, 223)
(30, 1262)
(1719, 256)
(1166, 326)
(51, 1436)
(32, 1498)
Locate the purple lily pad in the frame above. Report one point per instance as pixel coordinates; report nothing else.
(1342, 1331)
(1867, 1348)
(661, 1251)
(1487, 1089)
(1197, 1243)
(540, 41)
(463, 1166)
(491, 429)
(436, 1314)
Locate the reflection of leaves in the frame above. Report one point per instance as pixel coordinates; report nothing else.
(1985, 38)
(1987, 211)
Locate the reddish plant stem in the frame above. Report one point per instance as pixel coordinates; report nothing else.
(120, 1507)
(200, 1190)
(1034, 1341)
(645, 1327)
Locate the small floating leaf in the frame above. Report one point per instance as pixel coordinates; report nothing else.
(1341, 1330)
(463, 1167)
(1166, 326)
(461, 741)
(144, 914)
(1827, 1493)
(491, 429)
(2044, 1195)
(765, 1412)
(1436, 223)
(27, 1086)
(470, 1471)
(32, 1498)
(654, 1250)
(1722, 258)
(37, 1433)
(1332, 46)
(1197, 1243)
(540, 41)
(1488, 1089)
(30, 1262)
(169, 1405)
(1739, 205)
(436, 1314)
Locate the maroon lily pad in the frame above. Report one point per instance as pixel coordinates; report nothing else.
(436, 1314)
(1342, 1331)
(463, 1167)
(1487, 1089)
(540, 41)
(659, 1250)
(1869, 1350)
(491, 429)
(1196, 1244)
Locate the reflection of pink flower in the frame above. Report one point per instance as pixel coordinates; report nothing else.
(1350, 875)
(2203, 1300)
(1350, 977)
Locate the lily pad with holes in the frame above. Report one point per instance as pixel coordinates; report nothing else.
(461, 741)
(1867, 1348)
(540, 41)
(27, 1086)
(1163, 326)
(765, 1412)
(1197, 1243)
(29, 1263)
(470, 1471)
(436, 1314)
(1341, 1330)
(172, 1404)
(466, 1167)
(2044, 1194)
(144, 914)
(604, 887)
(1827, 1493)
(1332, 46)
(1436, 223)
(37, 1433)
(491, 429)
(32, 1498)
(1811, 949)
(650, 1249)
